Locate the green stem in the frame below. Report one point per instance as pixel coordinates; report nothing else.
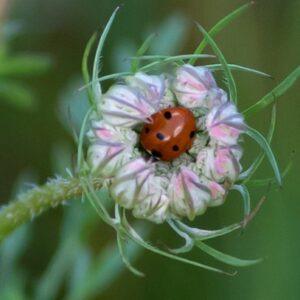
(37, 200)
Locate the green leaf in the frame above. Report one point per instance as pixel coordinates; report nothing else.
(136, 237)
(189, 243)
(253, 168)
(106, 77)
(226, 69)
(202, 234)
(143, 49)
(233, 67)
(80, 156)
(121, 246)
(219, 26)
(85, 67)
(96, 67)
(260, 139)
(168, 58)
(271, 180)
(225, 258)
(242, 189)
(271, 97)
(23, 65)
(17, 95)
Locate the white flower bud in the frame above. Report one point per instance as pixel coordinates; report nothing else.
(188, 196)
(225, 124)
(125, 106)
(192, 86)
(111, 148)
(218, 192)
(220, 163)
(136, 187)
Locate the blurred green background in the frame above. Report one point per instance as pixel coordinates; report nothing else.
(67, 253)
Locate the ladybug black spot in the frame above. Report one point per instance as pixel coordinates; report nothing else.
(156, 153)
(160, 136)
(175, 148)
(192, 134)
(168, 115)
(147, 130)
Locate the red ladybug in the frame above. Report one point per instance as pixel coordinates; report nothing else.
(170, 133)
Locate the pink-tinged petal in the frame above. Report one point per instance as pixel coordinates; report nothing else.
(225, 124)
(218, 193)
(128, 185)
(188, 196)
(136, 187)
(220, 163)
(110, 148)
(153, 87)
(125, 106)
(193, 86)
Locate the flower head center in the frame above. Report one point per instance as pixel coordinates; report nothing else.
(169, 133)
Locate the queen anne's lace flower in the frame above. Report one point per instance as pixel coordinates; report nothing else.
(157, 190)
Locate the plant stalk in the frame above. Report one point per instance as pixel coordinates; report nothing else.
(37, 200)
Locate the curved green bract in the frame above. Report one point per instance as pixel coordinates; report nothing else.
(246, 176)
(227, 73)
(219, 26)
(225, 258)
(96, 87)
(85, 69)
(272, 96)
(143, 49)
(260, 139)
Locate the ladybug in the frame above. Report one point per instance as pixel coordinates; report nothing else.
(169, 133)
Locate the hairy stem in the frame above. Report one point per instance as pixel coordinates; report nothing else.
(37, 200)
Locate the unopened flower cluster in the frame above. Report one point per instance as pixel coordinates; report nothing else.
(157, 190)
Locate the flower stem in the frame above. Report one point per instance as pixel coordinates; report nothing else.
(37, 200)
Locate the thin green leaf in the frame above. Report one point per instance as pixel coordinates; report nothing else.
(242, 189)
(171, 58)
(17, 95)
(253, 168)
(136, 237)
(143, 49)
(125, 260)
(271, 180)
(189, 243)
(106, 77)
(93, 198)
(219, 26)
(80, 157)
(24, 65)
(96, 87)
(202, 234)
(217, 67)
(85, 67)
(222, 60)
(271, 97)
(260, 139)
(225, 258)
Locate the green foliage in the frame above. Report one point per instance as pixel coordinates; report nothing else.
(141, 51)
(227, 72)
(272, 96)
(223, 23)
(15, 67)
(263, 143)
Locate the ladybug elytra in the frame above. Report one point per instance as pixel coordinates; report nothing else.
(169, 133)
